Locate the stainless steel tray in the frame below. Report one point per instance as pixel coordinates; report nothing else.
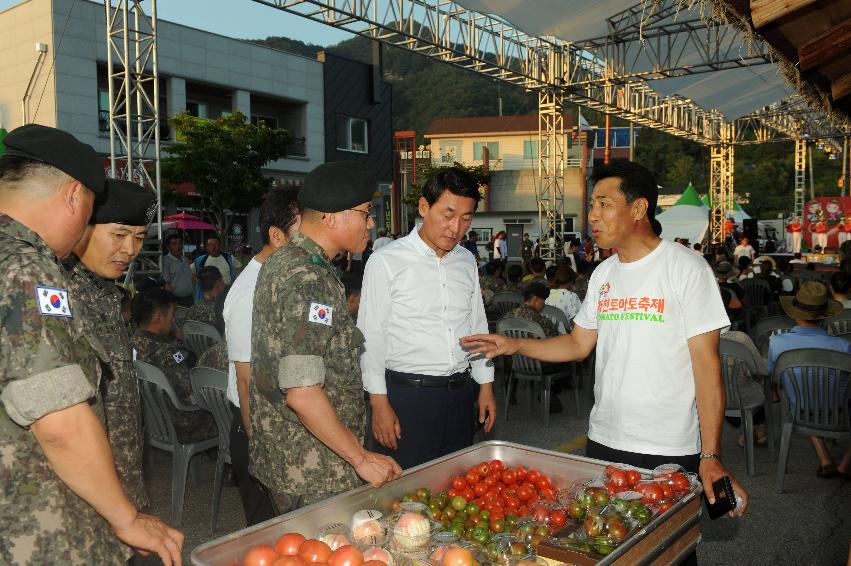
(562, 469)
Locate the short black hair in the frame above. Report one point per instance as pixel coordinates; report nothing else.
(353, 283)
(536, 290)
(744, 262)
(452, 179)
(149, 302)
(550, 273)
(280, 210)
(514, 273)
(636, 181)
(840, 282)
(208, 276)
(492, 267)
(537, 265)
(171, 237)
(213, 236)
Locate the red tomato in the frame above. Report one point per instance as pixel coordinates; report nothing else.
(459, 483)
(532, 500)
(260, 556)
(667, 489)
(611, 488)
(455, 556)
(664, 505)
(543, 482)
(679, 482)
(521, 472)
(509, 477)
(541, 514)
(524, 493)
(469, 494)
(472, 478)
(313, 550)
(548, 494)
(480, 488)
(651, 491)
(512, 503)
(616, 476)
(289, 561)
(288, 544)
(490, 481)
(497, 466)
(483, 469)
(523, 511)
(558, 518)
(532, 476)
(632, 477)
(346, 555)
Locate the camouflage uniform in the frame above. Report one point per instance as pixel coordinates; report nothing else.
(525, 312)
(302, 335)
(175, 362)
(99, 306)
(46, 365)
(536, 279)
(490, 286)
(215, 357)
(203, 311)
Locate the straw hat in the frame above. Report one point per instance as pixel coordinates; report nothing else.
(725, 270)
(762, 258)
(812, 302)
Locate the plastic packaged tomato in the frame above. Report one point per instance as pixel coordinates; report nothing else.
(334, 535)
(410, 528)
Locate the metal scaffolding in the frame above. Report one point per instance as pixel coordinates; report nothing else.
(134, 113)
(721, 166)
(800, 175)
(551, 157)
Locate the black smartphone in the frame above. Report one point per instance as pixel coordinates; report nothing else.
(725, 498)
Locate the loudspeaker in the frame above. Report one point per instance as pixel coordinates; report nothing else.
(750, 230)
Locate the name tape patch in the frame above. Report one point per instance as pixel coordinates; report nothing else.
(320, 314)
(53, 301)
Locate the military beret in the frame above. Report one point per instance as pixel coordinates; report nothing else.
(337, 186)
(58, 149)
(125, 202)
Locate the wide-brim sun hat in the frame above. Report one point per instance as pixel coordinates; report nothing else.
(812, 302)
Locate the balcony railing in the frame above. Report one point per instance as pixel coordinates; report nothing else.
(297, 147)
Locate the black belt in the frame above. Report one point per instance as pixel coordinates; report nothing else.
(455, 381)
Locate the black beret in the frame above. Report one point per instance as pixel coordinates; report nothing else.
(125, 202)
(337, 186)
(58, 149)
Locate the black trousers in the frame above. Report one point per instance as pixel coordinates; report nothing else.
(435, 421)
(691, 463)
(257, 503)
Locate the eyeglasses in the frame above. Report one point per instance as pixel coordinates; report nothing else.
(367, 214)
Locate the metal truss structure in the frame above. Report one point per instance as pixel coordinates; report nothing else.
(800, 176)
(134, 114)
(721, 165)
(551, 159)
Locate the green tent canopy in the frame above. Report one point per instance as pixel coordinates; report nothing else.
(3, 133)
(689, 197)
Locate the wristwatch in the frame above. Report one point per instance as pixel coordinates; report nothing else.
(705, 455)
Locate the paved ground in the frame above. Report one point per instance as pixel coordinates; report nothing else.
(809, 524)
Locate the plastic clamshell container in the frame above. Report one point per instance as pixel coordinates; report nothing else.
(563, 470)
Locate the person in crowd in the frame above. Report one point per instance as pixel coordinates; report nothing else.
(550, 274)
(472, 244)
(562, 295)
(63, 497)
(571, 254)
(491, 282)
(527, 250)
(797, 258)
(745, 265)
(744, 249)
(583, 274)
(794, 234)
(698, 248)
(820, 235)
(514, 274)
(840, 287)
(352, 286)
(382, 240)
(727, 277)
(228, 264)
(808, 308)
(420, 381)
(305, 383)
(500, 248)
(280, 218)
(537, 272)
(176, 272)
(215, 357)
(154, 343)
(212, 287)
(653, 305)
(845, 247)
(111, 242)
(535, 296)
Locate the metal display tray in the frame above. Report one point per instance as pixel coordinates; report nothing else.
(563, 470)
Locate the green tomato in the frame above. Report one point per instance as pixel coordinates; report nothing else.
(457, 529)
(586, 500)
(642, 516)
(604, 549)
(472, 509)
(481, 535)
(423, 494)
(485, 514)
(434, 504)
(408, 497)
(459, 503)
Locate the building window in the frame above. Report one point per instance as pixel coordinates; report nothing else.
(269, 121)
(530, 149)
(493, 150)
(352, 134)
(450, 151)
(198, 109)
(103, 111)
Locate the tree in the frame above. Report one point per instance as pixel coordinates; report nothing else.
(477, 172)
(223, 158)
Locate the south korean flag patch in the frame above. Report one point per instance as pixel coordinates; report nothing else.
(320, 314)
(53, 301)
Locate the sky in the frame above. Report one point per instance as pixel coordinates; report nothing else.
(241, 19)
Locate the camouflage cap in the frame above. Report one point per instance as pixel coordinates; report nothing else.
(337, 186)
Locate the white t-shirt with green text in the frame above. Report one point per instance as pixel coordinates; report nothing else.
(644, 313)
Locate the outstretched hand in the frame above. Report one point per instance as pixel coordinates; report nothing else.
(491, 345)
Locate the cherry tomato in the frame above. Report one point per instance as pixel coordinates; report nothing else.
(679, 482)
(469, 494)
(558, 518)
(543, 482)
(617, 532)
(497, 525)
(490, 481)
(288, 544)
(260, 556)
(459, 483)
(667, 489)
(541, 514)
(651, 491)
(548, 494)
(524, 493)
(455, 556)
(509, 477)
(289, 561)
(483, 469)
(480, 488)
(346, 555)
(521, 472)
(532, 476)
(632, 477)
(497, 465)
(616, 476)
(313, 550)
(472, 478)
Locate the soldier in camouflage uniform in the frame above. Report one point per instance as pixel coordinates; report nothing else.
(112, 241)
(153, 311)
(216, 357)
(534, 295)
(212, 286)
(51, 417)
(307, 407)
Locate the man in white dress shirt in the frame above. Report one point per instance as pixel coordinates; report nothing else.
(420, 296)
(280, 217)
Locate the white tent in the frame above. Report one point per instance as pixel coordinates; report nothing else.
(687, 218)
(738, 213)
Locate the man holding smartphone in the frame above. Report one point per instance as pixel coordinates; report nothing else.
(654, 314)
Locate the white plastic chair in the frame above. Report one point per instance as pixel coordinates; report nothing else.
(157, 393)
(737, 364)
(200, 336)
